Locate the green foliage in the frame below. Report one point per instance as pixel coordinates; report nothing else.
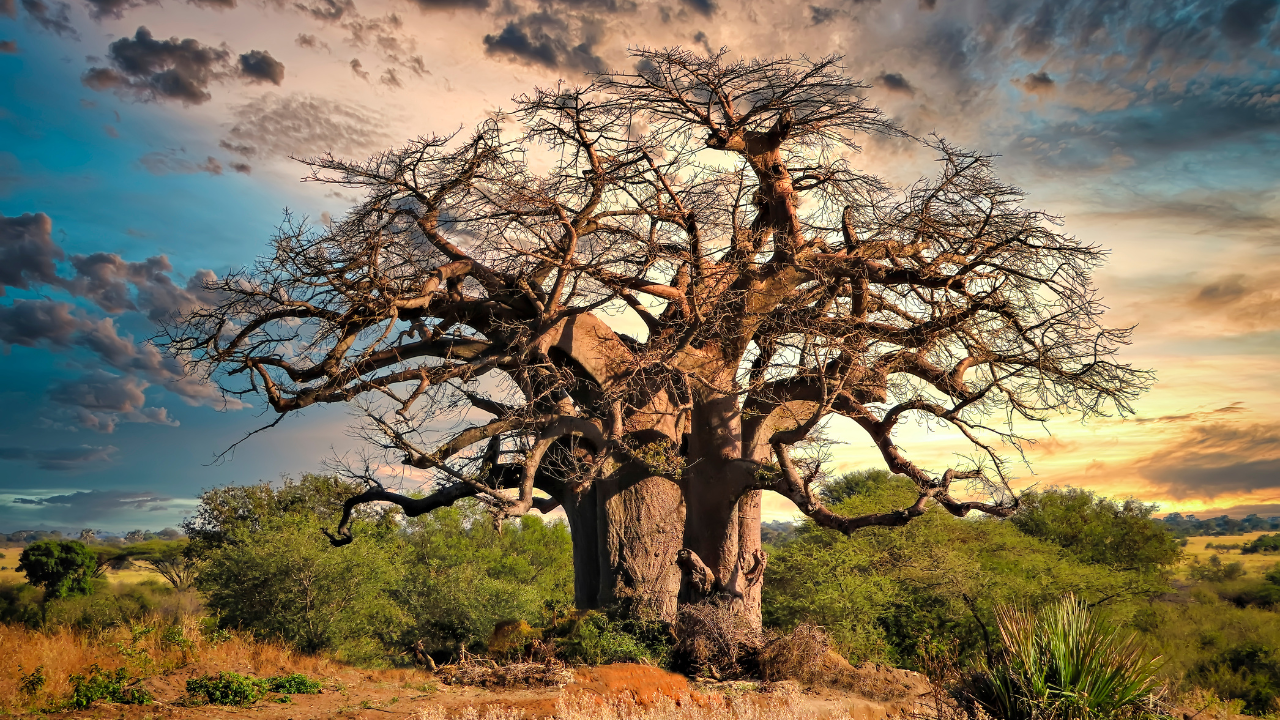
(62, 567)
(31, 683)
(464, 575)
(280, 577)
(295, 684)
(1216, 571)
(879, 592)
(593, 638)
(226, 688)
(1065, 663)
(229, 688)
(22, 604)
(119, 604)
(111, 685)
(1097, 529)
(251, 508)
(445, 578)
(870, 481)
(1212, 643)
(1262, 544)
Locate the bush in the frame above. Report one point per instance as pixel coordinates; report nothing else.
(1098, 529)
(1262, 544)
(119, 604)
(285, 580)
(594, 638)
(111, 685)
(464, 576)
(1064, 662)
(295, 684)
(226, 688)
(1216, 571)
(229, 688)
(61, 567)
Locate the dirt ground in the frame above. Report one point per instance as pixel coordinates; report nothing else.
(621, 692)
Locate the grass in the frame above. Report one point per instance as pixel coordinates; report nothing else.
(60, 654)
(1255, 565)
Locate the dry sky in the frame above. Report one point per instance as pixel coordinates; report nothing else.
(143, 144)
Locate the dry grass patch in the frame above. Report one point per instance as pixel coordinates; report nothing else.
(161, 650)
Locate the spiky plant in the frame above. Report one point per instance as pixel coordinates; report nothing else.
(1065, 663)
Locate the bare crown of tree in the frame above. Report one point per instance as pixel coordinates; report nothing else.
(711, 206)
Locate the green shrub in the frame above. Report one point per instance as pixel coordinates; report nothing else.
(226, 688)
(594, 638)
(1216, 571)
(1065, 663)
(1262, 544)
(229, 688)
(284, 580)
(21, 604)
(118, 604)
(111, 685)
(295, 684)
(32, 682)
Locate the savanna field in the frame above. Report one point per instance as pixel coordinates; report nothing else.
(1077, 607)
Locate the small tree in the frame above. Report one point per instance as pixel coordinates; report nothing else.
(771, 286)
(170, 558)
(62, 567)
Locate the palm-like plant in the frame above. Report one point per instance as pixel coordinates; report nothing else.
(1065, 663)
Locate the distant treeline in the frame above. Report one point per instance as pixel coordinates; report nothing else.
(1191, 526)
(26, 537)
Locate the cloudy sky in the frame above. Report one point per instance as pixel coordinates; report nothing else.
(144, 145)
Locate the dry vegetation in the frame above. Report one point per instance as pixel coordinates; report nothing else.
(154, 650)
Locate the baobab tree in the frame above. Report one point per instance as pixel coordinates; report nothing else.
(642, 299)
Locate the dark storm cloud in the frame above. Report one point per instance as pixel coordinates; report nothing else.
(31, 323)
(705, 7)
(27, 251)
(101, 400)
(1244, 21)
(93, 504)
(822, 15)
(106, 279)
(242, 168)
(54, 16)
(61, 459)
(213, 4)
(1216, 459)
(551, 40)
(894, 82)
(8, 8)
(148, 69)
(300, 125)
(151, 69)
(1036, 83)
(8, 47)
(259, 66)
(99, 9)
